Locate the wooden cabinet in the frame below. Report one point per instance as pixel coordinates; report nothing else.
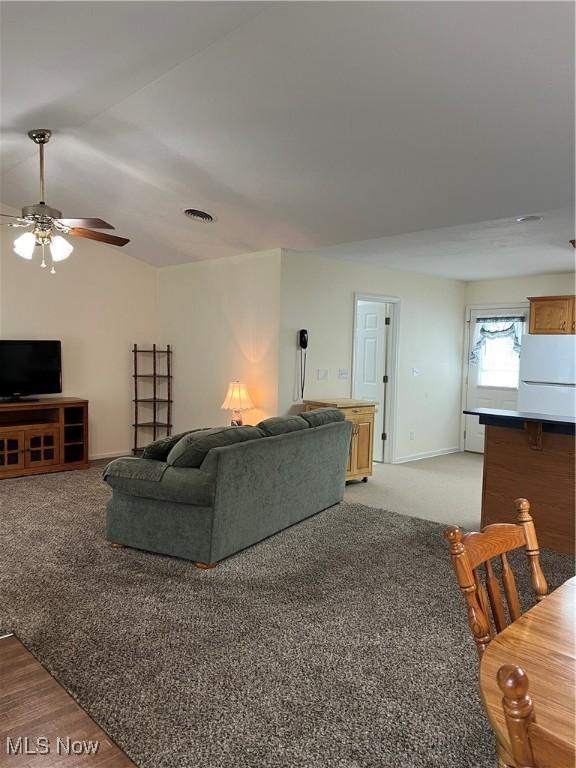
(28, 448)
(361, 414)
(552, 314)
(45, 435)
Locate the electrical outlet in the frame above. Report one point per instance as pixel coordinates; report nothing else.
(342, 373)
(411, 435)
(321, 374)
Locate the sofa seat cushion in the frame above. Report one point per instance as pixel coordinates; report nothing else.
(280, 425)
(321, 416)
(151, 479)
(191, 450)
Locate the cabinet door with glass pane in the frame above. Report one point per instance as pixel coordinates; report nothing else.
(42, 446)
(11, 451)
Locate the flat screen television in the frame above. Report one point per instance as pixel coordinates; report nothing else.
(30, 368)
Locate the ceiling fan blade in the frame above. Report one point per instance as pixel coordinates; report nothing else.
(102, 237)
(91, 223)
(10, 216)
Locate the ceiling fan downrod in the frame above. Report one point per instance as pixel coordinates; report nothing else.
(41, 136)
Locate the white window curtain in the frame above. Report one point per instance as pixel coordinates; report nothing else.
(507, 326)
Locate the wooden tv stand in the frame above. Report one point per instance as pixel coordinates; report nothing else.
(45, 435)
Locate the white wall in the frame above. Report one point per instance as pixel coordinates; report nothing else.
(99, 303)
(517, 289)
(318, 294)
(222, 318)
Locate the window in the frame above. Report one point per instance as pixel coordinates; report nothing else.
(496, 351)
(499, 364)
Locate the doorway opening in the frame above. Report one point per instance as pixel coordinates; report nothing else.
(491, 364)
(374, 365)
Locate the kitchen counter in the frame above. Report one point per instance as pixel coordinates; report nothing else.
(487, 415)
(530, 455)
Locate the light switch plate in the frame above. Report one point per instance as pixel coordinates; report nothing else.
(416, 371)
(342, 373)
(321, 374)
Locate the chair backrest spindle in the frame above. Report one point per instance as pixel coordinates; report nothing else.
(495, 596)
(510, 589)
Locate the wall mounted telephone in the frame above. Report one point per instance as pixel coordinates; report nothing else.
(303, 347)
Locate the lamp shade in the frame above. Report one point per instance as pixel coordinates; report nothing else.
(60, 248)
(237, 398)
(25, 244)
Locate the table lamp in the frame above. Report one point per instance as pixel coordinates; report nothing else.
(237, 400)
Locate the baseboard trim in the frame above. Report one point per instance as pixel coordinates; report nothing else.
(112, 455)
(425, 455)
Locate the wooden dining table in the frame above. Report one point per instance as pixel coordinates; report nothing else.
(543, 642)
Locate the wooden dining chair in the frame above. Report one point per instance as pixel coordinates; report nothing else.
(532, 746)
(483, 598)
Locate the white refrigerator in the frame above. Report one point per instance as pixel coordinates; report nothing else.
(548, 375)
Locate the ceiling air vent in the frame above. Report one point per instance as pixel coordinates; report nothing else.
(199, 215)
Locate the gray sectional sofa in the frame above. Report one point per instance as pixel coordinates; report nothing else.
(206, 494)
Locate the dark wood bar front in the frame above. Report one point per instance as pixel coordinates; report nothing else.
(532, 456)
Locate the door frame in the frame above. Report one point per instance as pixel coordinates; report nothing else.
(390, 406)
(501, 305)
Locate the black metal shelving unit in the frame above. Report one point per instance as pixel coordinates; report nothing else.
(152, 394)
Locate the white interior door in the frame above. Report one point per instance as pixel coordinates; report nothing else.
(493, 366)
(370, 363)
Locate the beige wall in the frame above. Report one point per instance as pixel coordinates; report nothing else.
(517, 289)
(237, 318)
(222, 317)
(318, 294)
(98, 303)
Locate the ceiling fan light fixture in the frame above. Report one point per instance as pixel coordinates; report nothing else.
(25, 244)
(60, 248)
(47, 221)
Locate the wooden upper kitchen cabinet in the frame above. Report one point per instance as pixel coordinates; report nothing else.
(552, 314)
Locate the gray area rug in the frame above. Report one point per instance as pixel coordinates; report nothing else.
(339, 643)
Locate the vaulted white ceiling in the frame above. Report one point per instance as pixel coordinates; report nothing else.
(301, 125)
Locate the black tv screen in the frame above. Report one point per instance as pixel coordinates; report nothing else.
(30, 368)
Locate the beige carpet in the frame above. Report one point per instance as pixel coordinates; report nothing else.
(446, 489)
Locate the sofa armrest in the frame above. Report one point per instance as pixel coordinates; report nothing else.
(133, 468)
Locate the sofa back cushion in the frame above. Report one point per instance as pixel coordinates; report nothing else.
(191, 450)
(321, 416)
(280, 425)
(159, 449)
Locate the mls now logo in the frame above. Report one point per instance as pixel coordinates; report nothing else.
(23, 745)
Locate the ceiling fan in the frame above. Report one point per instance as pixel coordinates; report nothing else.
(48, 224)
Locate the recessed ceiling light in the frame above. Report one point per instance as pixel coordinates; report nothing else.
(522, 219)
(197, 215)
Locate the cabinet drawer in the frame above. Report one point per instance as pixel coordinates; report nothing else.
(354, 413)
